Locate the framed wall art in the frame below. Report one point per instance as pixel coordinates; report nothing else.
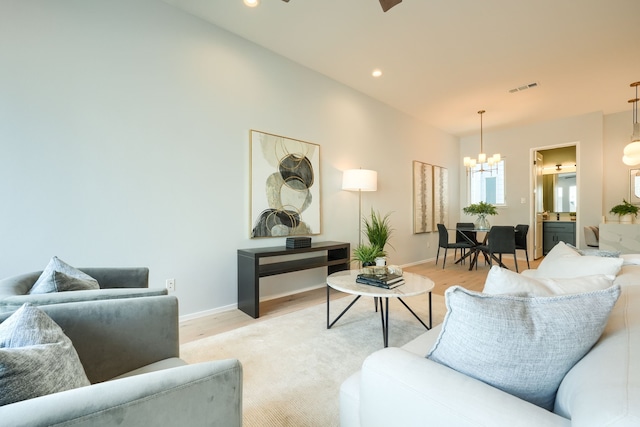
(440, 196)
(422, 197)
(285, 186)
(430, 197)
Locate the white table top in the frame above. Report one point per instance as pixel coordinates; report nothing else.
(345, 281)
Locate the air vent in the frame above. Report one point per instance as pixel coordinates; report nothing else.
(523, 87)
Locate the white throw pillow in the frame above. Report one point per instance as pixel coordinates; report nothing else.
(59, 276)
(36, 357)
(503, 281)
(521, 345)
(564, 262)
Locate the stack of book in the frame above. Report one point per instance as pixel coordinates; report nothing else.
(387, 281)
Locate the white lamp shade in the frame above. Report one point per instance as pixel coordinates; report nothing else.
(360, 180)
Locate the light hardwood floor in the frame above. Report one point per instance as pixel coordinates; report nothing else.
(452, 274)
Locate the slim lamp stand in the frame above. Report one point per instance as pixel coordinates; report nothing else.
(360, 180)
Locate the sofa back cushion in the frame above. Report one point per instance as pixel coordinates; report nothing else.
(564, 262)
(604, 387)
(503, 281)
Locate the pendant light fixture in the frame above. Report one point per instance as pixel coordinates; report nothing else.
(631, 155)
(482, 157)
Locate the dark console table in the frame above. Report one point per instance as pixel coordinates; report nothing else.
(250, 270)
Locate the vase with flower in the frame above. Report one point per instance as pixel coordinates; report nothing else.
(482, 210)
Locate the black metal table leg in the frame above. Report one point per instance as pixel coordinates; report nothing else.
(415, 315)
(329, 325)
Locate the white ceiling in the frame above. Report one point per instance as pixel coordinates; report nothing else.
(443, 60)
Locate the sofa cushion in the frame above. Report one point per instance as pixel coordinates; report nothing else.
(59, 276)
(521, 345)
(564, 262)
(36, 357)
(503, 281)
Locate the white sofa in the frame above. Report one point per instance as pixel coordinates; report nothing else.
(400, 386)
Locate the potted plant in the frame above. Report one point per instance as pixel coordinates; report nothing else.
(378, 230)
(367, 254)
(481, 209)
(626, 212)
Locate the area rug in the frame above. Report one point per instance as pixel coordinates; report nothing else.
(293, 365)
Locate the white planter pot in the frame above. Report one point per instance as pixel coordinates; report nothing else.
(626, 219)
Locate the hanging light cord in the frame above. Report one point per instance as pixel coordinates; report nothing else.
(635, 103)
(481, 112)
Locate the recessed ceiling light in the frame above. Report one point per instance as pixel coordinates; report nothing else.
(252, 3)
(376, 73)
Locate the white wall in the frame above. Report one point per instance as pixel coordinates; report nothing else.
(124, 132)
(617, 134)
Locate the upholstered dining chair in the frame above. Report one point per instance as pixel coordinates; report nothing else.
(443, 242)
(464, 236)
(521, 240)
(501, 240)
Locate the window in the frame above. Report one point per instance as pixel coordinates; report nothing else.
(486, 184)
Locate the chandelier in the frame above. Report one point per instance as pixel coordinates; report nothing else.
(631, 155)
(482, 159)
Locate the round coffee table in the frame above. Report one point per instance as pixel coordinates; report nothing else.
(345, 281)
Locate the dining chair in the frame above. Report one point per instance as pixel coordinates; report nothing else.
(464, 236)
(501, 240)
(443, 242)
(521, 239)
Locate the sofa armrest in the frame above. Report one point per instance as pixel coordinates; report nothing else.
(417, 390)
(116, 336)
(204, 394)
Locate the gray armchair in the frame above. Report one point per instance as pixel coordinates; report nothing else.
(129, 349)
(114, 283)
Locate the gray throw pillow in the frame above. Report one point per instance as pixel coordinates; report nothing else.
(59, 276)
(521, 345)
(36, 357)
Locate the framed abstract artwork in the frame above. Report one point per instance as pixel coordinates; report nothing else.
(422, 197)
(285, 186)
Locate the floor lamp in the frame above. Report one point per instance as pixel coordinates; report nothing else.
(360, 180)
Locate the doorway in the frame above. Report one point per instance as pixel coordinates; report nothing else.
(555, 189)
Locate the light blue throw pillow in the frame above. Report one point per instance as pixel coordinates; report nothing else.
(59, 276)
(521, 345)
(36, 357)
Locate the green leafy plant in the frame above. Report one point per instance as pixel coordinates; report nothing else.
(625, 208)
(378, 230)
(367, 254)
(480, 208)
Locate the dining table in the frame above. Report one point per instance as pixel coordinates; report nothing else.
(475, 250)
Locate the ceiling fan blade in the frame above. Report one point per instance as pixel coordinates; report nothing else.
(388, 4)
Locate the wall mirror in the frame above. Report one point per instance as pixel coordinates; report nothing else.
(559, 186)
(634, 186)
(560, 192)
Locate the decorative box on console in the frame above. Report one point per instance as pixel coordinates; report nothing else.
(298, 242)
